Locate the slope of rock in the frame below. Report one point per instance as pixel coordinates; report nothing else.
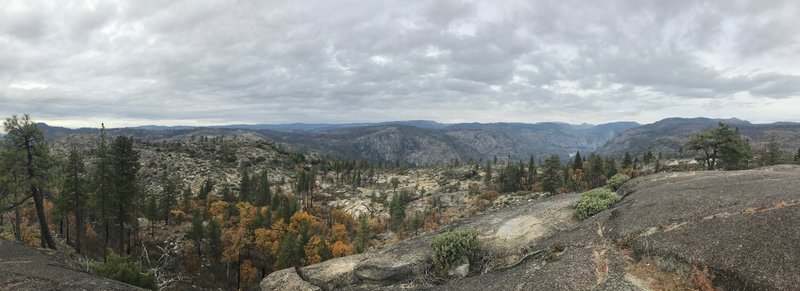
(732, 230)
(26, 268)
(671, 231)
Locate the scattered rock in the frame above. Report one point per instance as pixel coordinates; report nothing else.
(334, 273)
(286, 280)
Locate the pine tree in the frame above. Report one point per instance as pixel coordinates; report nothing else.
(551, 177)
(797, 156)
(363, 234)
(773, 154)
(103, 183)
(74, 195)
(627, 161)
(125, 189)
(169, 195)
(264, 196)
(186, 199)
(152, 213)
(24, 136)
(214, 233)
(577, 163)
(197, 233)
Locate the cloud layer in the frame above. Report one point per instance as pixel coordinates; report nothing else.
(211, 62)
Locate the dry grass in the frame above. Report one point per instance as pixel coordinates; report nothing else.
(658, 280)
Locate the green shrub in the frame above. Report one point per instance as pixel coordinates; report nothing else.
(617, 180)
(594, 201)
(124, 270)
(452, 247)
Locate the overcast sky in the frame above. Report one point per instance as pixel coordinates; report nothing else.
(79, 63)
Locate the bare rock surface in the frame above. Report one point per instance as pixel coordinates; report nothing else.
(736, 229)
(286, 280)
(671, 231)
(27, 268)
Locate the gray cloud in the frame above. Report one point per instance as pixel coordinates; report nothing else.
(204, 62)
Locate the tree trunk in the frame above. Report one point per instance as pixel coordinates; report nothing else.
(66, 219)
(46, 238)
(17, 222)
(78, 227)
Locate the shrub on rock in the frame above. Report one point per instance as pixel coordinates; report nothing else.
(617, 180)
(594, 201)
(453, 248)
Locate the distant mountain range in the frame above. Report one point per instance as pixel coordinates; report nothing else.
(668, 136)
(421, 142)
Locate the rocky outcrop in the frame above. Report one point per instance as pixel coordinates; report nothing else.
(729, 230)
(724, 230)
(506, 236)
(286, 279)
(27, 268)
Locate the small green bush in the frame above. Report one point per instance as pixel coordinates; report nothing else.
(594, 201)
(452, 247)
(123, 269)
(617, 180)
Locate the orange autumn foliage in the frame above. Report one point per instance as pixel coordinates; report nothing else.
(301, 218)
(249, 273)
(341, 216)
(342, 249)
(339, 233)
(218, 210)
(312, 250)
(247, 213)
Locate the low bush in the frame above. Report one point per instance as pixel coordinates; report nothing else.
(453, 247)
(123, 269)
(617, 180)
(594, 201)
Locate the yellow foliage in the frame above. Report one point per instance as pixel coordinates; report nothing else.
(234, 240)
(376, 226)
(218, 210)
(89, 230)
(267, 240)
(30, 235)
(247, 213)
(339, 233)
(301, 217)
(249, 273)
(343, 217)
(312, 250)
(342, 249)
(177, 214)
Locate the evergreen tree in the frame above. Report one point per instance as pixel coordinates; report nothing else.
(773, 154)
(245, 186)
(551, 177)
(169, 194)
(207, 187)
(196, 233)
(73, 193)
(186, 199)
(363, 234)
(24, 136)
(722, 147)
(214, 233)
(125, 189)
(152, 213)
(797, 156)
(627, 161)
(577, 163)
(397, 209)
(103, 183)
(264, 193)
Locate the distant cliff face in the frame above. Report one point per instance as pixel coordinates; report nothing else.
(668, 136)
